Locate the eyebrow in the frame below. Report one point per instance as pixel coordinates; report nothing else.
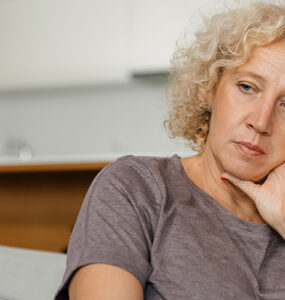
(252, 74)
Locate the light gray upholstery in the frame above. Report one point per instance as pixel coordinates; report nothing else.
(29, 274)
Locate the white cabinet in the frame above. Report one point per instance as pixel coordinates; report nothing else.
(49, 43)
(86, 42)
(157, 24)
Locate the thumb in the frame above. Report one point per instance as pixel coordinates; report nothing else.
(247, 187)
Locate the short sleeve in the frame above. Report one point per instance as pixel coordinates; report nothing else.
(116, 222)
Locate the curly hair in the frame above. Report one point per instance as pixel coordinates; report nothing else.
(225, 42)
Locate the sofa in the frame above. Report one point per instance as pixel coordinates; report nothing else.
(29, 274)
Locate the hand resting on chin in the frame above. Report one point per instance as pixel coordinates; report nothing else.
(269, 197)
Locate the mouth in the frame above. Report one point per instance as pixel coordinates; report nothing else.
(250, 149)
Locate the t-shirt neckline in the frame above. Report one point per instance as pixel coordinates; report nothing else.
(232, 221)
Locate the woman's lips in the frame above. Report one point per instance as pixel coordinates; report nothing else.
(250, 149)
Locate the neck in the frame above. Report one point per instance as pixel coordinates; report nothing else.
(205, 172)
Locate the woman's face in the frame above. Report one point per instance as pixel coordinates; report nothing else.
(247, 129)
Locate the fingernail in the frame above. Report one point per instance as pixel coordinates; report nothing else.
(223, 178)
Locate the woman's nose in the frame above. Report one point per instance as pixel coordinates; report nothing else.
(261, 119)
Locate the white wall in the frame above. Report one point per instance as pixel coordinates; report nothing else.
(63, 43)
(58, 43)
(81, 123)
(49, 44)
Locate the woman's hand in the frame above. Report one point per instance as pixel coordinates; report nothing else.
(269, 197)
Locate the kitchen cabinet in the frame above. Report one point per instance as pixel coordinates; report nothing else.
(76, 124)
(40, 203)
(61, 43)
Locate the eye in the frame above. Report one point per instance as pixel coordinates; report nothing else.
(282, 104)
(245, 88)
(281, 108)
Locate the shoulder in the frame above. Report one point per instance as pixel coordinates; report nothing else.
(153, 165)
(136, 181)
(144, 181)
(142, 163)
(138, 185)
(133, 171)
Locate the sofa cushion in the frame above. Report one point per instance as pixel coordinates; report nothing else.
(29, 274)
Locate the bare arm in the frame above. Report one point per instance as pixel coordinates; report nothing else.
(104, 281)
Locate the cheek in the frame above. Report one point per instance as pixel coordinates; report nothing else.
(224, 112)
(279, 147)
(217, 133)
(221, 122)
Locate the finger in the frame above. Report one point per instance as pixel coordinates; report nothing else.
(247, 187)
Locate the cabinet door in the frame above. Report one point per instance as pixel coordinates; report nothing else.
(50, 43)
(158, 24)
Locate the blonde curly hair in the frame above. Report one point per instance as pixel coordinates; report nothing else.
(226, 41)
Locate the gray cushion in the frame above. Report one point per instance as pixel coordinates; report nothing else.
(29, 274)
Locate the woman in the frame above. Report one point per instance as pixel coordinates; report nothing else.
(211, 226)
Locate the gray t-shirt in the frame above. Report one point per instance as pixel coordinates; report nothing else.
(145, 215)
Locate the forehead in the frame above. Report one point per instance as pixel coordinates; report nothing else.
(266, 60)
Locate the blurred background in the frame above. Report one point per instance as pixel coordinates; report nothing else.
(81, 84)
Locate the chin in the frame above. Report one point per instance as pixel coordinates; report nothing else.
(248, 174)
(258, 179)
(261, 181)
